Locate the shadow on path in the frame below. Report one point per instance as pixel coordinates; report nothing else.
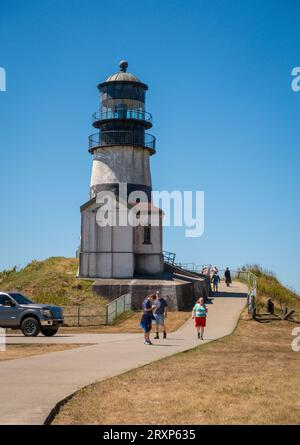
(38, 336)
(229, 294)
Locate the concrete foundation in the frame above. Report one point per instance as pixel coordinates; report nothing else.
(180, 290)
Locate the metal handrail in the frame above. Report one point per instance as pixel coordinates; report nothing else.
(117, 307)
(245, 275)
(122, 137)
(84, 315)
(122, 114)
(169, 257)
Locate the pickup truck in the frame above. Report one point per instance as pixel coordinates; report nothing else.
(18, 312)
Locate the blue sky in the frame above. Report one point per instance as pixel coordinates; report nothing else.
(225, 118)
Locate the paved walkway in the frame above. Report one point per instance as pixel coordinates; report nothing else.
(30, 387)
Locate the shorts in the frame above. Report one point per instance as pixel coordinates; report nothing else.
(200, 321)
(159, 319)
(146, 323)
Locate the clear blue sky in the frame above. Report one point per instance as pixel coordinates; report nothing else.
(225, 117)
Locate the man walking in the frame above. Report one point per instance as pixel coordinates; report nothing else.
(160, 314)
(147, 317)
(227, 276)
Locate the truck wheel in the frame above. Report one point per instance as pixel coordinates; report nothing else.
(30, 327)
(49, 332)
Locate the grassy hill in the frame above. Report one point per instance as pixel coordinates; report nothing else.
(54, 281)
(51, 281)
(269, 286)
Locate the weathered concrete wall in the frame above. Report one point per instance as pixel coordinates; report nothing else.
(105, 251)
(117, 251)
(181, 293)
(149, 264)
(140, 288)
(106, 265)
(117, 164)
(149, 258)
(156, 241)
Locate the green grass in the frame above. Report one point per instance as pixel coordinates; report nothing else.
(268, 286)
(51, 281)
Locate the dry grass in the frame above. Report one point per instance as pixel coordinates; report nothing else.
(131, 324)
(27, 350)
(250, 377)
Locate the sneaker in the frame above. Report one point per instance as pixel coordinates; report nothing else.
(148, 342)
(165, 334)
(201, 338)
(156, 337)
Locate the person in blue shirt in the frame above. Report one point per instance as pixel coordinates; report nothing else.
(215, 280)
(160, 314)
(147, 317)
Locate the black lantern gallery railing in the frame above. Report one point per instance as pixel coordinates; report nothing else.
(123, 137)
(122, 114)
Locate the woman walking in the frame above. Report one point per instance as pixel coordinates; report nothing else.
(199, 314)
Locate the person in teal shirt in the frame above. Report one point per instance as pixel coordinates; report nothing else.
(199, 314)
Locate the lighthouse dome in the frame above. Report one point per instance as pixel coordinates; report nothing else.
(122, 75)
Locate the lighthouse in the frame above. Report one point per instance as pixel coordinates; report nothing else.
(121, 149)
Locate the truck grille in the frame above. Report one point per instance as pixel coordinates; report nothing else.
(57, 312)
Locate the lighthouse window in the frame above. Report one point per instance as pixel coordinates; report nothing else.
(147, 235)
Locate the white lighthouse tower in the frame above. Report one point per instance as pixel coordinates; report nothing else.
(121, 151)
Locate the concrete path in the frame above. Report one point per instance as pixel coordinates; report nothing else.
(30, 387)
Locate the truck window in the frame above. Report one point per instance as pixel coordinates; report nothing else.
(4, 299)
(19, 298)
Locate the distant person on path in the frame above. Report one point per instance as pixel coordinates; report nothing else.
(147, 317)
(160, 314)
(227, 276)
(215, 270)
(199, 314)
(206, 271)
(215, 280)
